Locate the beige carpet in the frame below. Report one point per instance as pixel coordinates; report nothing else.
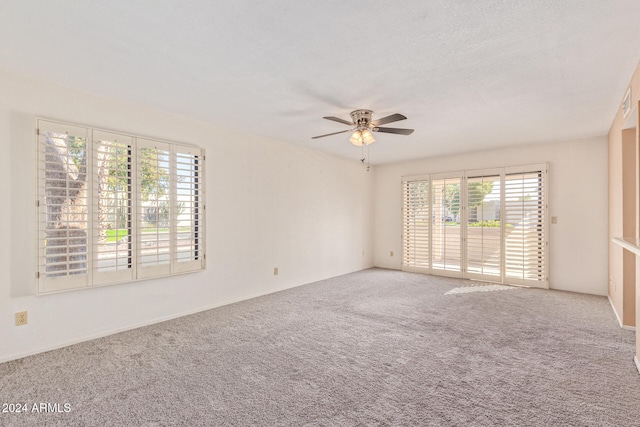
(376, 347)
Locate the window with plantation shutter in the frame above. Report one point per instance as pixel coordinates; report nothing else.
(114, 208)
(487, 225)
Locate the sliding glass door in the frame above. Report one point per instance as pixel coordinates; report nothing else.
(487, 225)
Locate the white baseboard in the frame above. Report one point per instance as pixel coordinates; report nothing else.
(635, 359)
(628, 328)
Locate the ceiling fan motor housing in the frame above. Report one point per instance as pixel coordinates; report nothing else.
(361, 118)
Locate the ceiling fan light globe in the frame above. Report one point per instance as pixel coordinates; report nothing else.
(367, 137)
(356, 138)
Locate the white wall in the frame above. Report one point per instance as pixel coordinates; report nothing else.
(269, 205)
(577, 196)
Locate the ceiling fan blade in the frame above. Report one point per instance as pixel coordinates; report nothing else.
(389, 119)
(393, 130)
(329, 134)
(339, 120)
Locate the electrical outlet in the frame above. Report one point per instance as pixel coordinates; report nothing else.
(554, 220)
(275, 271)
(391, 253)
(22, 318)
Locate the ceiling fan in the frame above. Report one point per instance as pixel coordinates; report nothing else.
(363, 126)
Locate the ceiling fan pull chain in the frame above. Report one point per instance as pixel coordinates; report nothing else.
(368, 158)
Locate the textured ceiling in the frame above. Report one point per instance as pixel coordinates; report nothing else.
(469, 75)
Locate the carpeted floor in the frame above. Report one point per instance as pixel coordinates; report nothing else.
(376, 347)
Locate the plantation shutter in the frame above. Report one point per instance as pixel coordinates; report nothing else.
(113, 214)
(189, 232)
(115, 208)
(446, 244)
(153, 208)
(63, 213)
(525, 235)
(483, 231)
(416, 219)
